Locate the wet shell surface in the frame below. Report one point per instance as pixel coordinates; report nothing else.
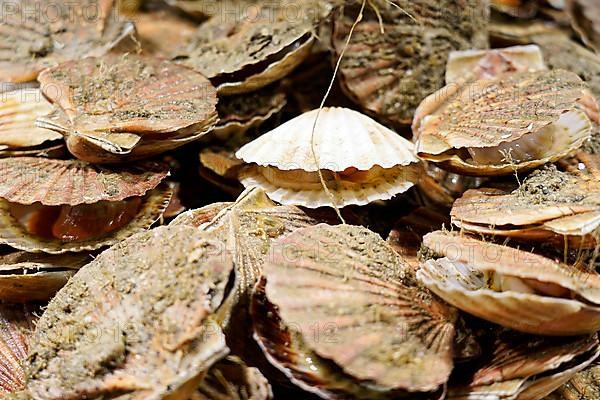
(518, 121)
(115, 108)
(360, 159)
(17, 235)
(26, 277)
(376, 324)
(18, 111)
(511, 287)
(149, 341)
(398, 51)
(59, 31)
(16, 329)
(585, 19)
(26, 180)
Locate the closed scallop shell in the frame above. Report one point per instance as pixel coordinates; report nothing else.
(585, 19)
(18, 111)
(62, 31)
(459, 278)
(398, 51)
(16, 329)
(389, 330)
(27, 277)
(457, 118)
(26, 180)
(14, 234)
(162, 340)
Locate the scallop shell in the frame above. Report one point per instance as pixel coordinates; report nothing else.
(585, 19)
(516, 8)
(27, 180)
(505, 31)
(343, 139)
(163, 34)
(26, 277)
(16, 329)
(129, 119)
(254, 49)
(18, 112)
(583, 386)
(524, 367)
(347, 281)
(59, 31)
(498, 115)
(131, 330)
(398, 51)
(200, 216)
(458, 277)
(486, 64)
(15, 235)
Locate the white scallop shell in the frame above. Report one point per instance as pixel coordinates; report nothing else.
(343, 138)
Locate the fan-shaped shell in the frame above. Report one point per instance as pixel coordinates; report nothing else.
(347, 281)
(488, 122)
(459, 278)
(18, 112)
(14, 234)
(26, 277)
(27, 180)
(115, 108)
(151, 338)
(397, 53)
(56, 31)
(585, 19)
(16, 328)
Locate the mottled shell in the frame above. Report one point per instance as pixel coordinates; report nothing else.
(397, 53)
(492, 115)
(585, 19)
(158, 340)
(18, 111)
(15, 235)
(485, 64)
(16, 329)
(59, 31)
(459, 277)
(26, 180)
(231, 378)
(347, 281)
(115, 108)
(26, 277)
(343, 139)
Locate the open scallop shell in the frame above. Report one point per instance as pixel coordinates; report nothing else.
(499, 126)
(585, 385)
(345, 142)
(16, 329)
(585, 19)
(375, 322)
(26, 180)
(398, 51)
(57, 31)
(26, 277)
(18, 112)
(524, 367)
(251, 51)
(131, 328)
(510, 287)
(116, 108)
(485, 64)
(549, 206)
(14, 234)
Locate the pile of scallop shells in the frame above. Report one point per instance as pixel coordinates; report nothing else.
(300, 199)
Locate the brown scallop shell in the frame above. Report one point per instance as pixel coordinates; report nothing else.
(26, 180)
(391, 64)
(585, 19)
(15, 235)
(132, 116)
(347, 281)
(163, 34)
(585, 385)
(26, 277)
(59, 31)
(459, 277)
(254, 49)
(500, 111)
(525, 367)
(16, 330)
(200, 216)
(130, 328)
